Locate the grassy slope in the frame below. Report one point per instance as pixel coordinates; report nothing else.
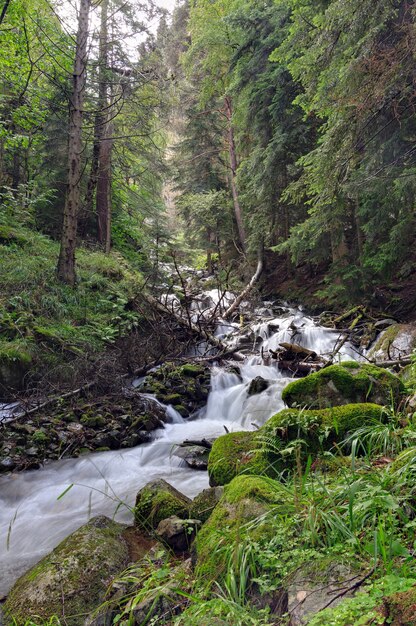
(52, 322)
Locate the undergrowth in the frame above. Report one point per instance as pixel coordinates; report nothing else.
(50, 321)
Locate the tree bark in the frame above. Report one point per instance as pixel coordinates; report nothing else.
(103, 200)
(66, 262)
(233, 166)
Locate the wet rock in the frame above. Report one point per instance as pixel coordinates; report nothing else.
(245, 499)
(258, 453)
(32, 451)
(398, 341)
(7, 464)
(78, 571)
(258, 385)
(196, 457)
(157, 501)
(178, 533)
(185, 385)
(108, 423)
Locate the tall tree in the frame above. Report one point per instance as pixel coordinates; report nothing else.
(66, 261)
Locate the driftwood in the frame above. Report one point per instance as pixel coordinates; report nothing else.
(297, 349)
(199, 331)
(239, 299)
(204, 443)
(297, 359)
(296, 366)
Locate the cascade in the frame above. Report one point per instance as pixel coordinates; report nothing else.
(34, 519)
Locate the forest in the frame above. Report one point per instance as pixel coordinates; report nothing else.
(207, 312)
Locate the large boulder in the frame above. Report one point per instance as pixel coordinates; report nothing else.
(157, 501)
(72, 580)
(151, 591)
(178, 533)
(346, 383)
(267, 451)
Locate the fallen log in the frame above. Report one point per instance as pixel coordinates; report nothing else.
(204, 443)
(302, 367)
(297, 349)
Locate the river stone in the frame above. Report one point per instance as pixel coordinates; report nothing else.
(196, 457)
(178, 533)
(72, 580)
(157, 501)
(258, 385)
(346, 383)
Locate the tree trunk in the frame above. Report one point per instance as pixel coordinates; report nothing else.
(233, 167)
(66, 262)
(101, 117)
(104, 191)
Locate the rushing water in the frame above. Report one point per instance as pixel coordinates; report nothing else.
(34, 519)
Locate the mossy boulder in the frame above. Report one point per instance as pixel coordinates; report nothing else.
(186, 387)
(234, 454)
(157, 501)
(72, 580)
(15, 361)
(346, 383)
(205, 502)
(245, 499)
(268, 451)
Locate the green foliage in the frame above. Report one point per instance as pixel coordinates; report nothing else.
(39, 315)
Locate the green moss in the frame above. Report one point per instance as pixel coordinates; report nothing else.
(93, 421)
(401, 608)
(79, 570)
(9, 236)
(268, 451)
(205, 502)
(40, 437)
(245, 499)
(15, 352)
(158, 500)
(15, 360)
(233, 454)
(192, 370)
(346, 383)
